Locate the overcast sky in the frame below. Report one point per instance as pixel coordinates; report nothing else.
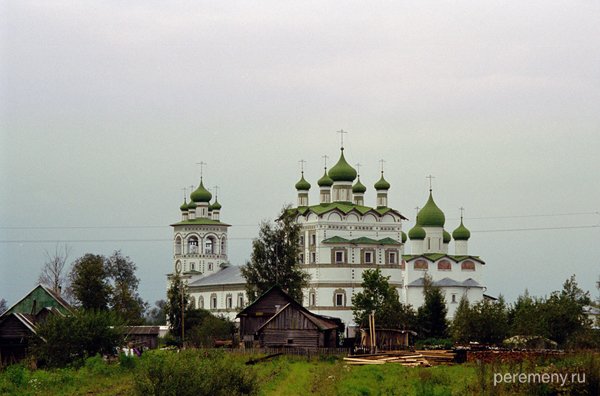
(107, 107)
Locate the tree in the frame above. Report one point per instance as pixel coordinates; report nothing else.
(90, 282)
(275, 259)
(461, 324)
(125, 300)
(380, 297)
(3, 306)
(524, 317)
(209, 328)
(62, 340)
(177, 297)
(156, 316)
(54, 274)
(489, 321)
(431, 316)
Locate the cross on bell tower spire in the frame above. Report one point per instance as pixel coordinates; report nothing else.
(341, 132)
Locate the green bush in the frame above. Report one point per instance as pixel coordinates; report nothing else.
(16, 374)
(189, 373)
(127, 362)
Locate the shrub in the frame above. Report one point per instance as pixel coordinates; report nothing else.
(190, 374)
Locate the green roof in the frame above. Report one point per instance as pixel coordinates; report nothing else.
(336, 239)
(342, 171)
(303, 184)
(437, 256)
(183, 207)
(447, 237)
(382, 184)
(201, 221)
(362, 240)
(201, 194)
(430, 215)
(461, 233)
(325, 181)
(344, 207)
(358, 187)
(417, 232)
(215, 206)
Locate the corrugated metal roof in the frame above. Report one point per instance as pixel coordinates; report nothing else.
(227, 276)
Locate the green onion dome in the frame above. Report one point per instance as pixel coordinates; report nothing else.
(382, 184)
(461, 233)
(358, 187)
(447, 237)
(302, 184)
(404, 237)
(325, 181)
(342, 171)
(183, 207)
(215, 206)
(430, 215)
(417, 232)
(201, 194)
(192, 205)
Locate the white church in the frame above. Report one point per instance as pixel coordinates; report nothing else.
(341, 237)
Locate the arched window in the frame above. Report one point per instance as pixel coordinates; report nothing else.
(224, 245)
(178, 245)
(193, 244)
(209, 245)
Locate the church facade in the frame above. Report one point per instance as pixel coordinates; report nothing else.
(340, 238)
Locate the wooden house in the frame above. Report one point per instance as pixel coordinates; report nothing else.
(275, 320)
(21, 320)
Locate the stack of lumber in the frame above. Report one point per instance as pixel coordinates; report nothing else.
(406, 358)
(436, 357)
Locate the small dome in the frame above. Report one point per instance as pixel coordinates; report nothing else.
(382, 184)
(430, 215)
(215, 206)
(461, 233)
(404, 237)
(358, 187)
(192, 205)
(342, 171)
(325, 181)
(417, 232)
(201, 194)
(302, 184)
(183, 207)
(447, 237)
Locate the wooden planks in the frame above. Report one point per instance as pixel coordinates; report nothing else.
(406, 358)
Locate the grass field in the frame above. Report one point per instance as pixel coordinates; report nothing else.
(302, 376)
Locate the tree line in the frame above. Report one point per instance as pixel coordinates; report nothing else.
(559, 317)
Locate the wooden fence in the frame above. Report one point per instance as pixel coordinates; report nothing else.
(288, 351)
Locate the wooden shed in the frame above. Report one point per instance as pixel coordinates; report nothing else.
(276, 320)
(21, 320)
(142, 336)
(386, 339)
